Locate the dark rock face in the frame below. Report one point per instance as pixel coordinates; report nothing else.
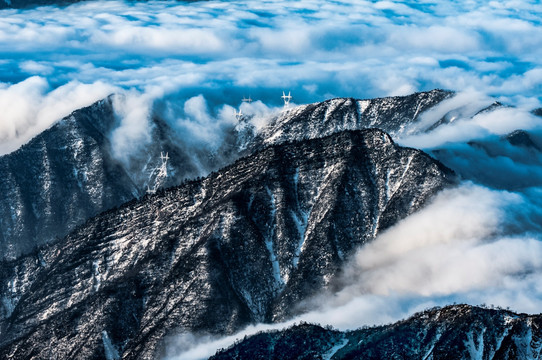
(523, 139)
(454, 332)
(243, 245)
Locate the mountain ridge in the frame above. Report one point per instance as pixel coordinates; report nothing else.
(455, 331)
(214, 254)
(391, 114)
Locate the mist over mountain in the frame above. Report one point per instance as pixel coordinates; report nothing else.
(408, 267)
(291, 288)
(77, 169)
(100, 157)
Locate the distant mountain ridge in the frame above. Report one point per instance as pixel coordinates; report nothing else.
(453, 332)
(244, 245)
(394, 115)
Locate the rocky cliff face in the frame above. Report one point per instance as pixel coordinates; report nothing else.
(454, 332)
(243, 245)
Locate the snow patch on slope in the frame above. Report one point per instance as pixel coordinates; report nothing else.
(334, 349)
(269, 241)
(111, 352)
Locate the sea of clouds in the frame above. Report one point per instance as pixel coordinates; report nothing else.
(55, 60)
(191, 63)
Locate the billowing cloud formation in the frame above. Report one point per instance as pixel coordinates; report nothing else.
(465, 242)
(466, 118)
(226, 50)
(31, 106)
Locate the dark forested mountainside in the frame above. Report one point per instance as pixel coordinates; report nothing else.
(244, 245)
(453, 332)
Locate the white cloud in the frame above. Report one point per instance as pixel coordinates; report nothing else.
(33, 67)
(198, 123)
(465, 122)
(439, 38)
(31, 106)
(315, 48)
(134, 111)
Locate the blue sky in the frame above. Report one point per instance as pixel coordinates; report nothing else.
(226, 50)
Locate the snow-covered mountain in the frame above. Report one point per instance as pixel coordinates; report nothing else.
(246, 244)
(453, 332)
(395, 115)
(243, 245)
(68, 173)
(59, 179)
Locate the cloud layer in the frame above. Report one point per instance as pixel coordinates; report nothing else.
(227, 50)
